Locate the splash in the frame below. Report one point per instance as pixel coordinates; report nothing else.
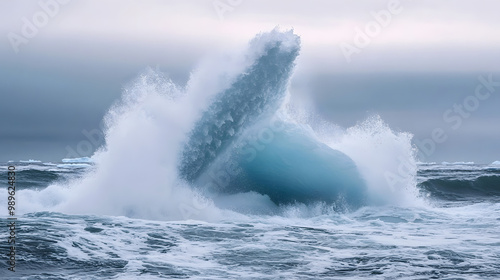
(227, 142)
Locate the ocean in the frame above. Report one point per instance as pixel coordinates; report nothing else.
(227, 178)
(453, 234)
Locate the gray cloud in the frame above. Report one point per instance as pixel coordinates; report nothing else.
(427, 59)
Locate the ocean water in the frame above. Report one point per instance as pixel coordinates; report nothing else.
(228, 178)
(454, 234)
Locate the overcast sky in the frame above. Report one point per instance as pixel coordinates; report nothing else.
(411, 67)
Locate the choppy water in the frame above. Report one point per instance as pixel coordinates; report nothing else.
(454, 235)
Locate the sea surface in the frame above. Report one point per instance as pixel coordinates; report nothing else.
(453, 234)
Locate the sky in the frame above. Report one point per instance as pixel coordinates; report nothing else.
(430, 68)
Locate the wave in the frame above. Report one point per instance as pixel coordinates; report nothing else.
(30, 161)
(231, 141)
(460, 182)
(463, 190)
(458, 163)
(260, 89)
(77, 160)
(47, 166)
(33, 179)
(73, 165)
(289, 166)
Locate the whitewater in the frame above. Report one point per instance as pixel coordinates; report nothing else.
(227, 177)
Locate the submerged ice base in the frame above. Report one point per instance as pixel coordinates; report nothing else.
(296, 168)
(290, 166)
